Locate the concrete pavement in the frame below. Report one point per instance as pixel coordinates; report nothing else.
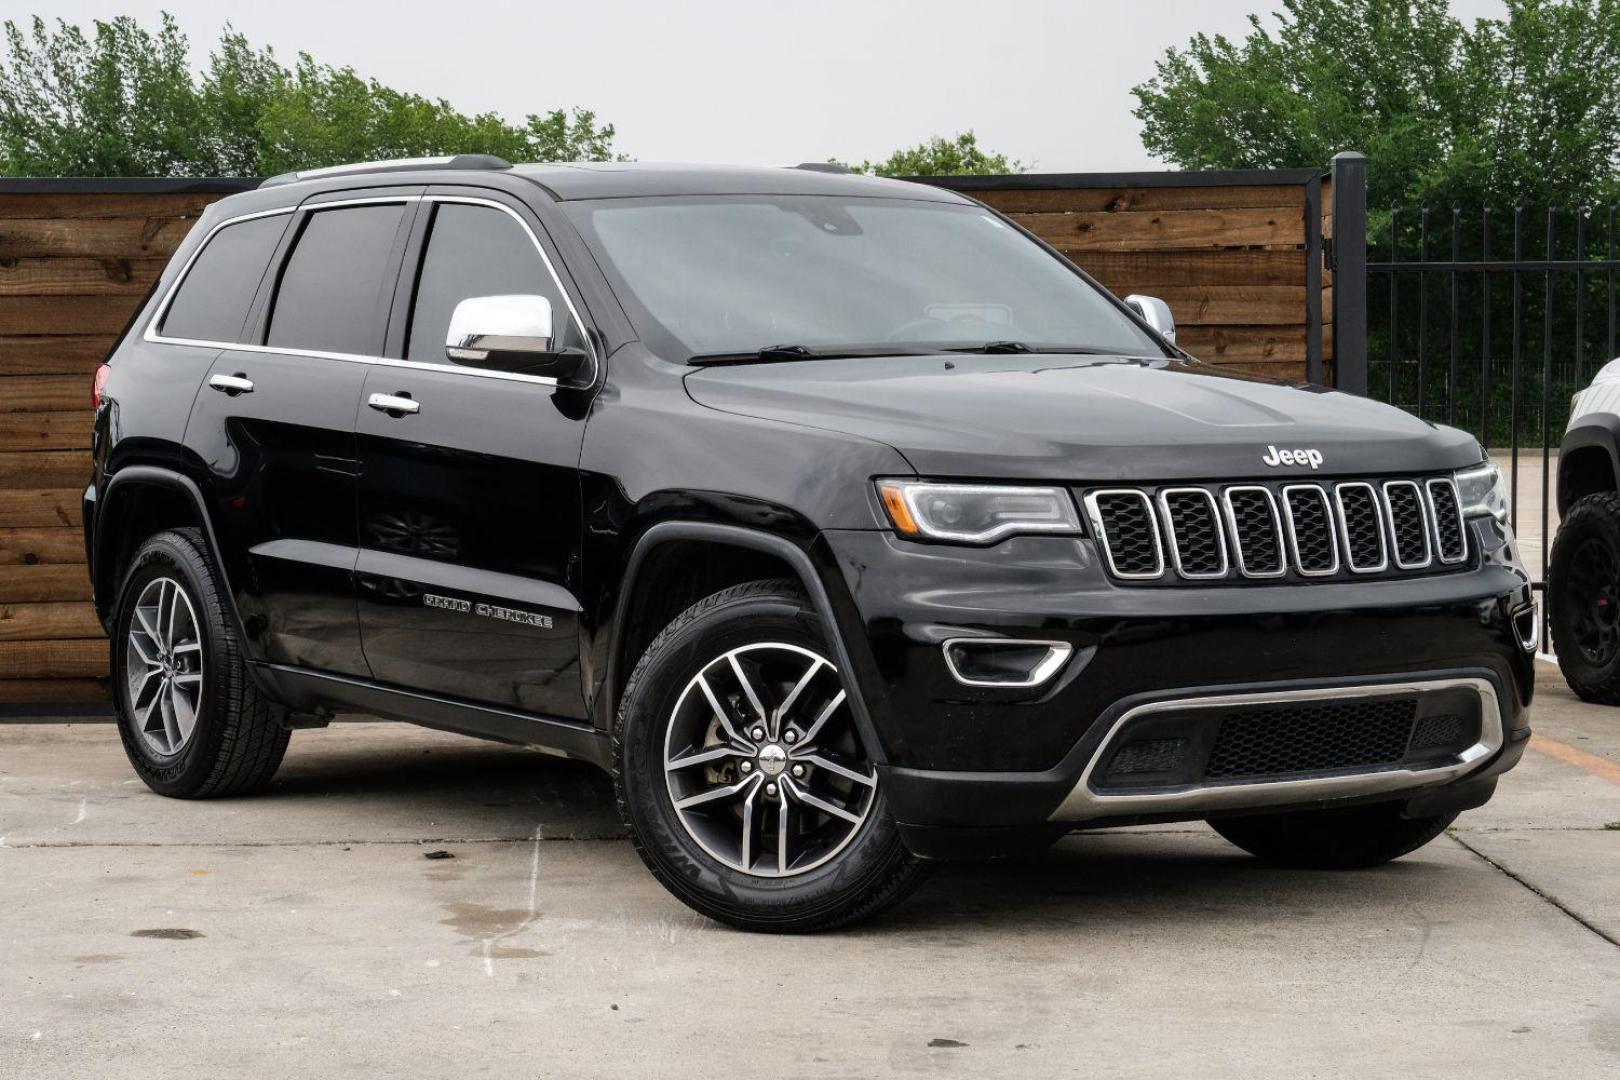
(304, 933)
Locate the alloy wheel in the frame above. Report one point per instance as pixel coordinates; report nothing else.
(763, 764)
(164, 666)
(1592, 596)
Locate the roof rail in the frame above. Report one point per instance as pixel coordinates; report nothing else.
(457, 161)
(823, 166)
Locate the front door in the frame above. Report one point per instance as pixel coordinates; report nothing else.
(470, 524)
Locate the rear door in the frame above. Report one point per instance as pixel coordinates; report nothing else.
(470, 522)
(275, 424)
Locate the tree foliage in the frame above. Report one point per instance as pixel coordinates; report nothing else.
(1521, 109)
(123, 100)
(940, 156)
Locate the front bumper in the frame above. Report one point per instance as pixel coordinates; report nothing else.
(967, 758)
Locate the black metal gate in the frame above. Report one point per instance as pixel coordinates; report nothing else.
(1482, 318)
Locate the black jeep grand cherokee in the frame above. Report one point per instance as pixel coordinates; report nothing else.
(845, 523)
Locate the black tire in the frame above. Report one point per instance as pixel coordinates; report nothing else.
(238, 739)
(1583, 590)
(870, 873)
(1354, 838)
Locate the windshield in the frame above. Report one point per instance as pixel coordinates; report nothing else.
(710, 276)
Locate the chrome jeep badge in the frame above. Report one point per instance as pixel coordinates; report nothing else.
(1275, 457)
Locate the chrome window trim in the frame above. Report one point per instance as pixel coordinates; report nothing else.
(155, 337)
(1094, 516)
(1423, 514)
(1434, 519)
(1343, 522)
(1057, 654)
(1293, 530)
(1276, 528)
(1170, 532)
(1083, 802)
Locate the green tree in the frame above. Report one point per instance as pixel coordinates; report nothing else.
(940, 156)
(1523, 109)
(124, 101)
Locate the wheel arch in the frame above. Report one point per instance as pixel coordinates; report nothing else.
(124, 518)
(1588, 459)
(649, 564)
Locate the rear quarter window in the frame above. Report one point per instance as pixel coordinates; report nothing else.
(213, 299)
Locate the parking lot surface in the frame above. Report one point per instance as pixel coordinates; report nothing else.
(305, 933)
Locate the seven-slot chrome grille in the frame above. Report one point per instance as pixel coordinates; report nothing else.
(1306, 529)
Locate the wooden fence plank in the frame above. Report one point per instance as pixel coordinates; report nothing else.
(43, 508)
(130, 278)
(68, 659)
(104, 205)
(48, 622)
(74, 314)
(45, 430)
(47, 393)
(1113, 200)
(22, 583)
(33, 545)
(125, 238)
(53, 691)
(1278, 267)
(1244, 344)
(53, 355)
(35, 469)
(1218, 305)
(1170, 230)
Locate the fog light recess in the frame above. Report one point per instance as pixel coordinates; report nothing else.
(1006, 663)
(1527, 625)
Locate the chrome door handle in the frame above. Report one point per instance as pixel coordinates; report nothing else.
(394, 404)
(231, 384)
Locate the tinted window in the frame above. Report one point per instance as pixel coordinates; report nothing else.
(475, 251)
(329, 290)
(735, 274)
(213, 300)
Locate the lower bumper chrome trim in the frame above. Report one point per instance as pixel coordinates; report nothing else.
(1085, 803)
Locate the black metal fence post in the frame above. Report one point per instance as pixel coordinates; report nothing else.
(1350, 272)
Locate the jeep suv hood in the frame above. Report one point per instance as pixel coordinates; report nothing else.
(1083, 418)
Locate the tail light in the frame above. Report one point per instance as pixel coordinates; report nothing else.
(99, 385)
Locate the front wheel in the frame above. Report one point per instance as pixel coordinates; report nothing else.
(1353, 838)
(741, 775)
(1583, 591)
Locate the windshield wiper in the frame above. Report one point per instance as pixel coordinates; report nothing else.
(777, 353)
(994, 347)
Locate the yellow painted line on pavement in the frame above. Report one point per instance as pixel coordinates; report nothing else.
(1570, 755)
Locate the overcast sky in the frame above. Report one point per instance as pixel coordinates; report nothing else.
(754, 81)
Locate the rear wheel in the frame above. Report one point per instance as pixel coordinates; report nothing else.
(742, 777)
(1354, 838)
(192, 722)
(1583, 588)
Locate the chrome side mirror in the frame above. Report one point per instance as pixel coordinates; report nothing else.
(509, 333)
(1156, 313)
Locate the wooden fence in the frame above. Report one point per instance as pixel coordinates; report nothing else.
(1237, 255)
(76, 259)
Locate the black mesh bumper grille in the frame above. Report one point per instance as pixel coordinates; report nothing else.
(1311, 738)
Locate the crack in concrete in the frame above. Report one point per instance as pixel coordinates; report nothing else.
(11, 845)
(1574, 915)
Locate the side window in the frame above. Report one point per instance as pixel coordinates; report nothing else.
(213, 300)
(328, 296)
(476, 251)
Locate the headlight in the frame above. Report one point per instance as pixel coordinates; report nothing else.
(976, 514)
(1483, 491)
